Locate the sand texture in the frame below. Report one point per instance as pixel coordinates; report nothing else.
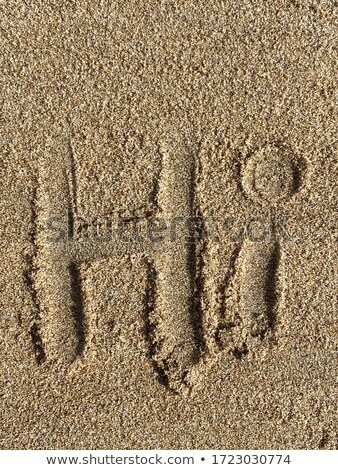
(168, 224)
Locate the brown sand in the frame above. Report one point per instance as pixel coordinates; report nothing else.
(216, 112)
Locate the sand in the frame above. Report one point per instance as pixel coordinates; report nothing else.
(168, 224)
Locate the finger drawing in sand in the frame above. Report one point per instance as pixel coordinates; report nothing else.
(269, 178)
(172, 320)
(174, 290)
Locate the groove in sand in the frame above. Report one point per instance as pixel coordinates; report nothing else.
(175, 327)
(257, 292)
(54, 276)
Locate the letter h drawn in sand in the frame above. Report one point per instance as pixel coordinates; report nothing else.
(171, 307)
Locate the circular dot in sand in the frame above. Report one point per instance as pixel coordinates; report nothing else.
(269, 175)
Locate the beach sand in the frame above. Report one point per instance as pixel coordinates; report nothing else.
(168, 209)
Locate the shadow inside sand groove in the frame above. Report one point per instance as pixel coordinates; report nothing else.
(149, 303)
(78, 309)
(35, 329)
(28, 279)
(271, 291)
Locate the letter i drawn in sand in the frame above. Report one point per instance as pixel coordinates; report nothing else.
(270, 177)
